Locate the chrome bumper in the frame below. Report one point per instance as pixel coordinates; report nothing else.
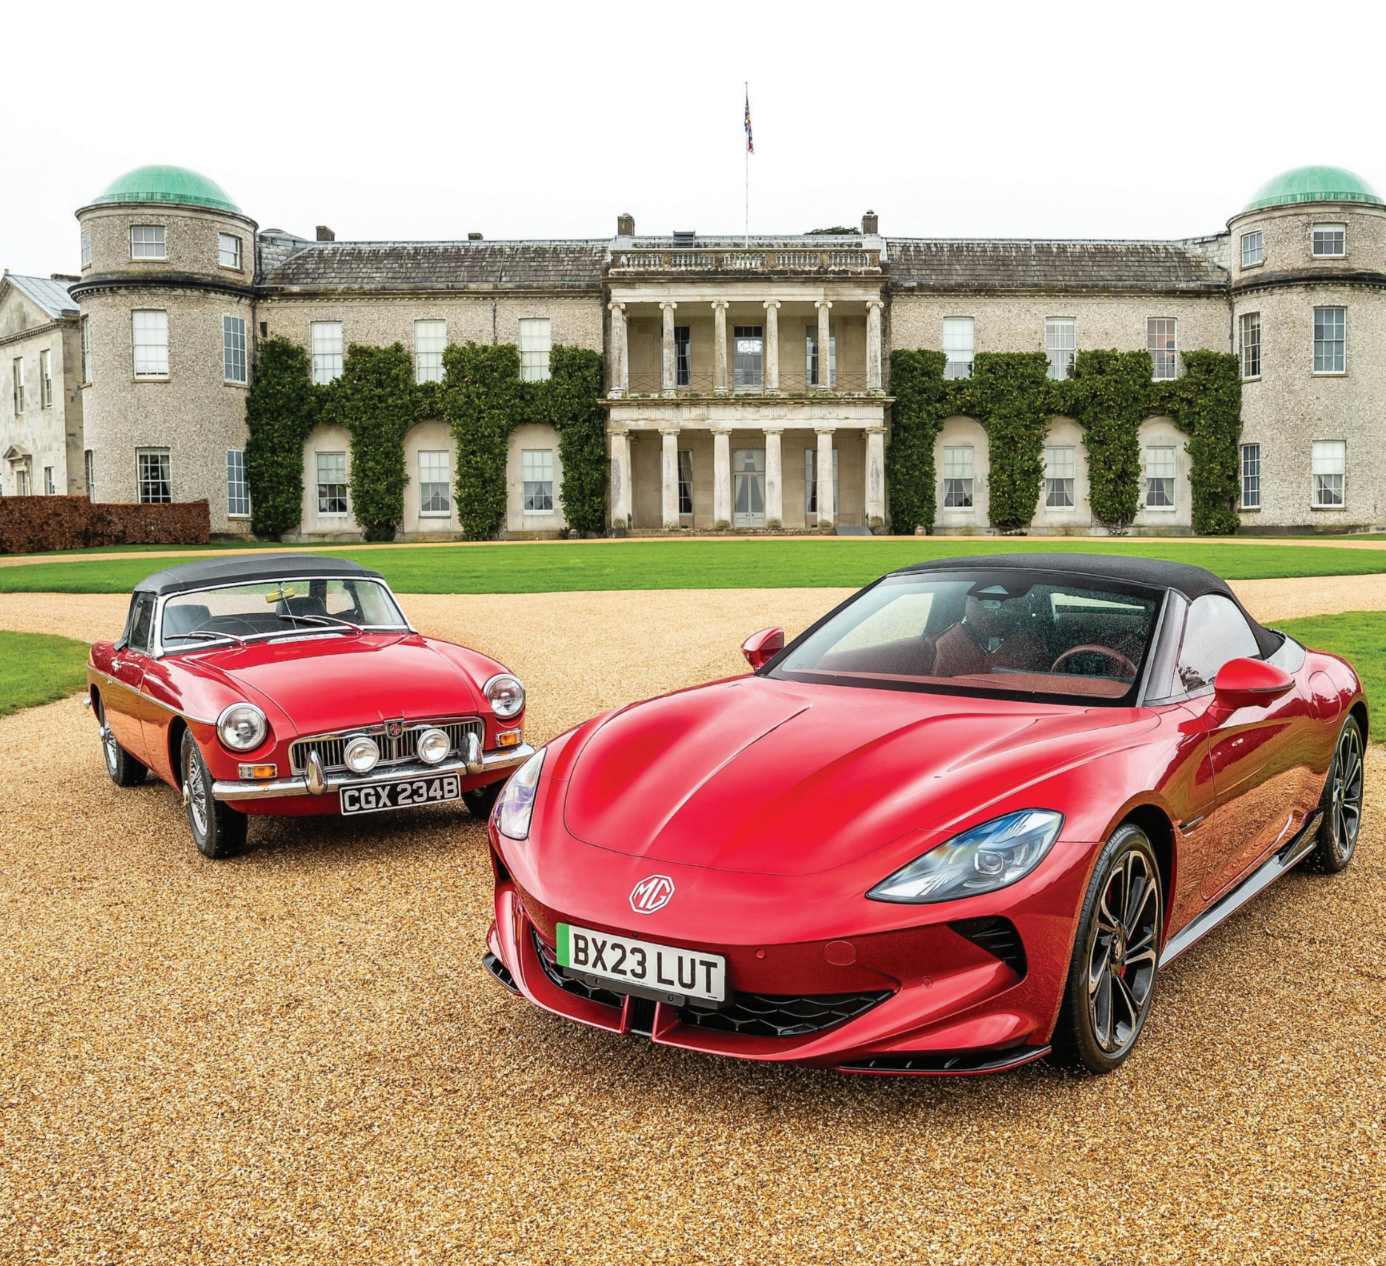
(315, 783)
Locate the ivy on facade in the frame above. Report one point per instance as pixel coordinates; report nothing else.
(1109, 395)
(280, 409)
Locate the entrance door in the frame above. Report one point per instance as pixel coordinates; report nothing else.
(748, 488)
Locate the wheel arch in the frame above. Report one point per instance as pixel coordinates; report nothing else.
(177, 728)
(1159, 830)
(1359, 710)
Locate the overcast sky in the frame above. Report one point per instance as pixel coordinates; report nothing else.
(427, 120)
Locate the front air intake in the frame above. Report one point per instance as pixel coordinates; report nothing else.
(997, 936)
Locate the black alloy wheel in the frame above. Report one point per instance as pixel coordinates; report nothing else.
(1341, 804)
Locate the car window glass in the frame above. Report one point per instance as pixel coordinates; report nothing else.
(141, 622)
(1214, 632)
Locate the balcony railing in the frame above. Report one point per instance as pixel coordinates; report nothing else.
(796, 259)
(705, 384)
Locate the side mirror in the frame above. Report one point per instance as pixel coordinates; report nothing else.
(760, 648)
(1250, 683)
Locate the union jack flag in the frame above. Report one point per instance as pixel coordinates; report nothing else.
(750, 144)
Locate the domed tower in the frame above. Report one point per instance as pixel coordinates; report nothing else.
(1309, 312)
(167, 300)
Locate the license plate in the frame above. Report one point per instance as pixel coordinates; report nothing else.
(642, 964)
(401, 795)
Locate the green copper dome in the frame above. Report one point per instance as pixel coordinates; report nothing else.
(167, 184)
(1313, 184)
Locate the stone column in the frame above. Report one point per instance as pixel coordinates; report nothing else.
(668, 376)
(774, 479)
(621, 383)
(873, 344)
(721, 478)
(875, 476)
(825, 357)
(669, 479)
(620, 480)
(772, 347)
(825, 465)
(719, 327)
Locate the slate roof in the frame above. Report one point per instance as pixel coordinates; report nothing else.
(51, 296)
(953, 264)
(410, 266)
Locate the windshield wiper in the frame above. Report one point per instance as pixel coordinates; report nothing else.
(204, 633)
(328, 620)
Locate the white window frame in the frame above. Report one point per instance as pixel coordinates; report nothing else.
(21, 481)
(148, 241)
(148, 358)
(536, 473)
(233, 351)
(957, 459)
(1061, 345)
(1151, 478)
(430, 342)
(811, 482)
(45, 379)
(234, 251)
(685, 480)
(1336, 361)
(1060, 477)
(344, 483)
(1328, 235)
(17, 380)
(86, 348)
(1164, 359)
(1253, 248)
(1328, 471)
(86, 248)
(959, 346)
(1247, 323)
(811, 355)
(536, 342)
(1249, 467)
(237, 486)
(428, 478)
(50, 486)
(144, 482)
(327, 346)
(89, 472)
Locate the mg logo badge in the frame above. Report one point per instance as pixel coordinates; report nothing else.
(395, 729)
(651, 894)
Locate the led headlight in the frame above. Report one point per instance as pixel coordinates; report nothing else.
(505, 694)
(361, 754)
(242, 727)
(981, 859)
(433, 746)
(516, 804)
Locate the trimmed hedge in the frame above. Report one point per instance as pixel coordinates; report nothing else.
(30, 525)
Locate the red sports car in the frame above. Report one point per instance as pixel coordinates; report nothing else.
(293, 684)
(956, 826)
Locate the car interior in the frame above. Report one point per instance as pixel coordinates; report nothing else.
(309, 599)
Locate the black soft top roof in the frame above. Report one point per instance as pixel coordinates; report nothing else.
(249, 569)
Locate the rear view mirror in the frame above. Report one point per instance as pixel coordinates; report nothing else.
(760, 648)
(1250, 683)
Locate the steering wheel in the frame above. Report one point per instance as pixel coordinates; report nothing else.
(1124, 666)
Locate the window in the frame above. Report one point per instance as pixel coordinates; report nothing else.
(685, 479)
(237, 490)
(86, 349)
(49, 487)
(1162, 341)
(1214, 632)
(535, 341)
(141, 623)
(1330, 340)
(149, 328)
(434, 491)
(1159, 478)
(86, 248)
(326, 338)
(1253, 249)
(147, 241)
(683, 358)
(1330, 240)
(332, 483)
(1060, 474)
(430, 338)
(536, 470)
(811, 481)
(1329, 469)
(957, 478)
(45, 379)
(748, 360)
(233, 348)
(229, 250)
(957, 346)
(811, 356)
(1250, 325)
(89, 470)
(17, 373)
(1251, 476)
(21, 482)
(152, 470)
(1060, 344)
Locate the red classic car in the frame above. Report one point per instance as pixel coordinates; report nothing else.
(293, 684)
(955, 826)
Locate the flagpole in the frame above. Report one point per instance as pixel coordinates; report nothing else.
(747, 157)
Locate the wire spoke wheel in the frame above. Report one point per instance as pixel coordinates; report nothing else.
(111, 750)
(196, 784)
(1121, 953)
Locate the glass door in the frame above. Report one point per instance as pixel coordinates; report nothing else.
(748, 488)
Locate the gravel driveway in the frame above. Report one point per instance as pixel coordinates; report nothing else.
(294, 1056)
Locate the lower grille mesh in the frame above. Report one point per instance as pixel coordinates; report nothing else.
(774, 1015)
(549, 963)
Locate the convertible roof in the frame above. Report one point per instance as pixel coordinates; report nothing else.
(249, 569)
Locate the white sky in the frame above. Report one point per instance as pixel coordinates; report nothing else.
(426, 120)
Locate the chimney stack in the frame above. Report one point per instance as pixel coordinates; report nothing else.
(325, 234)
(869, 224)
(473, 237)
(625, 225)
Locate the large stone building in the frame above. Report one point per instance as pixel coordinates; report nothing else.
(748, 379)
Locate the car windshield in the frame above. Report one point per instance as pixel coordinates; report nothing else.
(274, 609)
(1009, 634)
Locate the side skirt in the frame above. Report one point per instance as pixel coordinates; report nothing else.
(1287, 858)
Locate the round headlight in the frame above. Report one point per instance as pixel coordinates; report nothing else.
(242, 726)
(434, 746)
(505, 694)
(361, 754)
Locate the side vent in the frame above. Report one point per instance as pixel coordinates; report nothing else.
(998, 937)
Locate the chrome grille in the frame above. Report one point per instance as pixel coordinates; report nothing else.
(398, 750)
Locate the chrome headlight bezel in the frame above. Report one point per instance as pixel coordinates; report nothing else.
(515, 805)
(431, 737)
(982, 859)
(361, 743)
(242, 727)
(505, 692)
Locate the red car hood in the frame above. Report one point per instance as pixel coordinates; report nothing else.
(765, 776)
(350, 681)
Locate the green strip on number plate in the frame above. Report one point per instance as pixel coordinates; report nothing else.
(564, 958)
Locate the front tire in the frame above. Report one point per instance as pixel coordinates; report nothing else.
(1111, 974)
(124, 769)
(481, 801)
(1341, 804)
(217, 829)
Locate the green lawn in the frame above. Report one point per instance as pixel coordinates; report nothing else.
(38, 668)
(710, 564)
(1360, 638)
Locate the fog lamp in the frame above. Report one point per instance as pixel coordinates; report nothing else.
(361, 754)
(433, 746)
